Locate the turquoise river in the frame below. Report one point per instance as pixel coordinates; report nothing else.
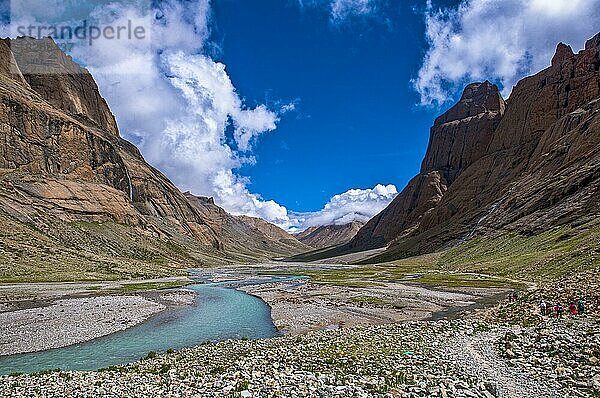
(219, 313)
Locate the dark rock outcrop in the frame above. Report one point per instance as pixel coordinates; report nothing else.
(527, 165)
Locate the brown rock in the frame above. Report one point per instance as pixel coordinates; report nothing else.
(62, 82)
(541, 168)
(461, 135)
(329, 235)
(592, 43)
(528, 165)
(8, 64)
(404, 214)
(563, 52)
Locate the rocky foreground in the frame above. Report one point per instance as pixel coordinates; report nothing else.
(415, 359)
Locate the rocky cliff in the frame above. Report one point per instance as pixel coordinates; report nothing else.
(458, 138)
(329, 235)
(70, 185)
(526, 165)
(60, 81)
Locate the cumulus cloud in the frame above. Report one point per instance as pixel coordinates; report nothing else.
(174, 101)
(342, 9)
(176, 104)
(352, 205)
(500, 40)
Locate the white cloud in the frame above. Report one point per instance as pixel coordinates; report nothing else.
(250, 123)
(352, 205)
(500, 40)
(342, 10)
(175, 103)
(289, 107)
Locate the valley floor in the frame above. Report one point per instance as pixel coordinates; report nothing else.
(345, 336)
(303, 306)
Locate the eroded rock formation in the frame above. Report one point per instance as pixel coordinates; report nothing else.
(525, 165)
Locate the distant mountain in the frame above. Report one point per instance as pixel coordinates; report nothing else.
(250, 236)
(79, 202)
(523, 166)
(329, 235)
(274, 233)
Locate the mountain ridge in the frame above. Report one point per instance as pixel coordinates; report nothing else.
(70, 180)
(525, 165)
(324, 236)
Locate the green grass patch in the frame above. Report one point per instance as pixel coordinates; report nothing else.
(242, 385)
(505, 261)
(467, 280)
(113, 368)
(347, 283)
(548, 256)
(46, 372)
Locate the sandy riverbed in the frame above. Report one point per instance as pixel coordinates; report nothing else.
(298, 306)
(37, 317)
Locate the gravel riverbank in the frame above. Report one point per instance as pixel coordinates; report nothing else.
(42, 316)
(300, 306)
(71, 321)
(413, 359)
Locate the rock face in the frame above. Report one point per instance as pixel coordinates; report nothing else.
(527, 165)
(60, 81)
(462, 135)
(458, 138)
(329, 235)
(63, 163)
(404, 214)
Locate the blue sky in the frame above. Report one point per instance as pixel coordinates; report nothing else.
(302, 112)
(356, 122)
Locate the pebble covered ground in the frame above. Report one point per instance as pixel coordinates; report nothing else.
(71, 321)
(463, 358)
